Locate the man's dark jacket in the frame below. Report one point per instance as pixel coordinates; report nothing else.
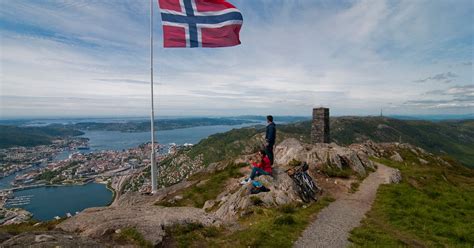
(270, 134)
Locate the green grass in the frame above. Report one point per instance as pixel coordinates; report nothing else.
(354, 187)
(192, 235)
(433, 206)
(264, 227)
(132, 235)
(196, 195)
(226, 146)
(333, 171)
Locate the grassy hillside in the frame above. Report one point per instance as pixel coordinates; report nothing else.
(32, 136)
(433, 206)
(452, 138)
(228, 145)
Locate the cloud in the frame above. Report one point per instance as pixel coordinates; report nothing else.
(460, 96)
(123, 80)
(353, 56)
(445, 77)
(458, 90)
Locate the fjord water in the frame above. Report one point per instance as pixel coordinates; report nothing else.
(47, 202)
(116, 140)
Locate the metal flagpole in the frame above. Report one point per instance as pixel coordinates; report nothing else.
(152, 117)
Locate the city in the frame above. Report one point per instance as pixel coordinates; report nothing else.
(39, 166)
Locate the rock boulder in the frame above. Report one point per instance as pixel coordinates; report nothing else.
(148, 219)
(356, 157)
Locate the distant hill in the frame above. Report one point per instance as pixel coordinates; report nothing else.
(451, 137)
(279, 119)
(32, 136)
(447, 138)
(160, 124)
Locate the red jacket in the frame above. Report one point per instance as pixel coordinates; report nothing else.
(264, 165)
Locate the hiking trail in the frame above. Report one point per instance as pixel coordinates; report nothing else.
(334, 223)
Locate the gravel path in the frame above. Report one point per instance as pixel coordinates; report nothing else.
(333, 224)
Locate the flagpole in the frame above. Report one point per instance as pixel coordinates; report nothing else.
(152, 117)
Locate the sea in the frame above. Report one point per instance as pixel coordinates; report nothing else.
(47, 202)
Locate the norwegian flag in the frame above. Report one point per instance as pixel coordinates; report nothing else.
(200, 23)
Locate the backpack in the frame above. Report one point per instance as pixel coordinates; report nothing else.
(258, 187)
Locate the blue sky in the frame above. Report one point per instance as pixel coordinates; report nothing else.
(91, 58)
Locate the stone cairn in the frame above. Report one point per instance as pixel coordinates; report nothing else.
(320, 126)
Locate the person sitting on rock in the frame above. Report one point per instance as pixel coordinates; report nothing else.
(263, 167)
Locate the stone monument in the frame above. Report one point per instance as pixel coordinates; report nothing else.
(320, 126)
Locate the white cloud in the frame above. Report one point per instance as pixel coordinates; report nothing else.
(355, 57)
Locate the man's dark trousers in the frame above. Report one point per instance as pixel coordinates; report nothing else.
(269, 151)
(270, 137)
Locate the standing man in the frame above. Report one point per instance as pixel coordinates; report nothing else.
(270, 137)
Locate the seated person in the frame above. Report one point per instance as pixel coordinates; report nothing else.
(263, 167)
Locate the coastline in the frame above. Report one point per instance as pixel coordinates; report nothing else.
(90, 180)
(114, 193)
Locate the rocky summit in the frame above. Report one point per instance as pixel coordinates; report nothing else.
(203, 203)
(142, 213)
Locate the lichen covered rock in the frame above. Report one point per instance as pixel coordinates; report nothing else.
(281, 192)
(148, 219)
(355, 157)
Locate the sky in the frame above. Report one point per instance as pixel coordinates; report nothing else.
(67, 58)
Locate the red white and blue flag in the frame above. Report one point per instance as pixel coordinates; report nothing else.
(200, 23)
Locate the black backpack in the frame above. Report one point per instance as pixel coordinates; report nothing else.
(256, 190)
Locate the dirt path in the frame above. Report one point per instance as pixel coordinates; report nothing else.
(333, 224)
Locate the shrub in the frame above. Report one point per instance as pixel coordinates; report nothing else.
(354, 187)
(285, 220)
(330, 171)
(132, 235)
(287, 209)
(294, 163)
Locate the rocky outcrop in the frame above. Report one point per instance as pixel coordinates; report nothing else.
(390, 149)
(396, 176)
(179, 168)
(237, 199)
(396, 157)
(356, 157)
(148, 219)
